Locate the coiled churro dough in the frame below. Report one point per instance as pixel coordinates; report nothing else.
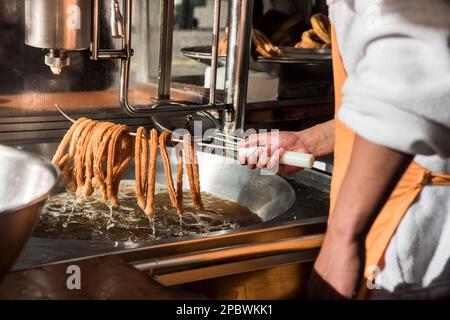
(91, 146)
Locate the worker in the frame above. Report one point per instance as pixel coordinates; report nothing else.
(388, 232)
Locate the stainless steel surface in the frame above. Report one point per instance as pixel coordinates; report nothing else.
(56, 60)
(125, 74)
(214, 53)
(307, 216)
(87, 88)
(228, 180)
(117, 31)
(222, 255)
(26, 182)
(52, 128)
(165, 49)
(123, 26)
(28, 89)
(164, 106)
(186, 120)
(188, 123)
(60, 24)
(238, 56)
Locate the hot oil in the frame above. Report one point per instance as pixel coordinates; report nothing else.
(65, 216)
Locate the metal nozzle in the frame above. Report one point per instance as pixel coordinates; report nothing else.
(117, 23)
(56, 60)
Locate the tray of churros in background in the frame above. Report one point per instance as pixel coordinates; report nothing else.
(286, 45)
(300, 59)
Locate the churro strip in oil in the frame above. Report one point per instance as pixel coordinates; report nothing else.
(196, 174)
(138, 168)
(188, 164)
(144, 163)
(163, 139)
(90, 155)
(192, 171)
(110, 163)
(125, 155)
(179, 151)
(99, 180)
(80, 154)
(141, 166)
(153, 142)
(69, 168)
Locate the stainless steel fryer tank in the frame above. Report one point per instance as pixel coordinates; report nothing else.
(266, 195)
(276, 254)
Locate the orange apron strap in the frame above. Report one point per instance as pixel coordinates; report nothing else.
(385, 225)
(439, 179)
(405, 193)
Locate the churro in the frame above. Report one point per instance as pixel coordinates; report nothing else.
(163, 139)
(140, 166)
(190, 160)
(153, 142)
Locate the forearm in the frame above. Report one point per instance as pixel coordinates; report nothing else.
(372, 174)
(319, 139)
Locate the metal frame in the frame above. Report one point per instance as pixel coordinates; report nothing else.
(238, 57)
(214, 52)
(164, 105)
(165, 49)
(216, 248)
(238, 54)
(237, 72)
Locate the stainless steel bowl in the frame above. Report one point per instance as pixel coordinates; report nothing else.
(26, 181)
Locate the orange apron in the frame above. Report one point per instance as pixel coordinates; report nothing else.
(404, 194)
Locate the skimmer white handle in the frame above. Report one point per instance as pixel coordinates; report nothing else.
(290, 158)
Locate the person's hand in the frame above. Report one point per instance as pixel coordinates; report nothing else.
(268, 148)
(338, 270)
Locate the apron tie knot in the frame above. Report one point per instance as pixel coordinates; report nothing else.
(425, 178)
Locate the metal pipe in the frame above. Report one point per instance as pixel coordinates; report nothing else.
(165, 49)
(234, 253)
(238, 56)
(116, 20)
(164, 106)
(126, 53)
(214, 53)
(96, 52)
(95, 29)
(111, 54)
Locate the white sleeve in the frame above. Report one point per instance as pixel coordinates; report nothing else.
(398, 89)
